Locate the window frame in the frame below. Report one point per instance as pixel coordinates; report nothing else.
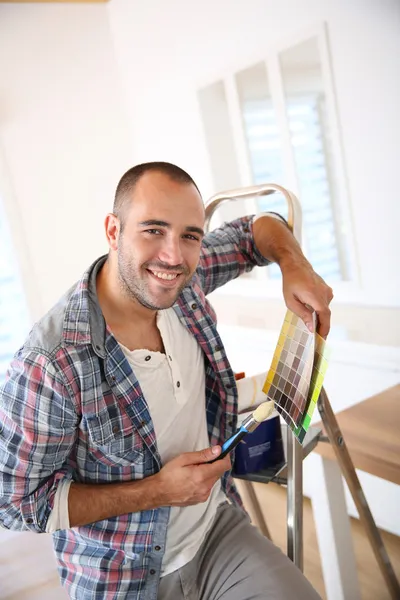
(260, 285)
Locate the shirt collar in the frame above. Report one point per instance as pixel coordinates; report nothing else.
(84, 321)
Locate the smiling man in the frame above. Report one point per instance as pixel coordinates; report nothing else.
(122, 395)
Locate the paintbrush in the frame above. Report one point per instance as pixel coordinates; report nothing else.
(251, 423)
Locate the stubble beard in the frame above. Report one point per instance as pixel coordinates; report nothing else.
(135, 287)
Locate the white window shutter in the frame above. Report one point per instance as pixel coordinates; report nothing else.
(264, 147)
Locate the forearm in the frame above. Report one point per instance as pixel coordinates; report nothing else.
(276, 243)
(88, 503)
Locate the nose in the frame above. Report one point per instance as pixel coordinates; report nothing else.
(171, 251)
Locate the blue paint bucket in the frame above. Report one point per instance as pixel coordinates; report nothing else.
(261, 449)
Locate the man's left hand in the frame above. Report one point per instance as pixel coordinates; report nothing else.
(304, 292)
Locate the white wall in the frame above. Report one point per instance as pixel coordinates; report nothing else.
(72, 118)
(64, 136)
(175, 47)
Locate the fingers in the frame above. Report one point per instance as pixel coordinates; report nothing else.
(302, 311)
(219, 467)
(201, 456)
(306, 314)
(324, 316)
(204, 457)
(306, 292)
(321, 307)
(324, 322)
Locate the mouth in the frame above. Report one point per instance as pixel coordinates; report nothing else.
(166, 279)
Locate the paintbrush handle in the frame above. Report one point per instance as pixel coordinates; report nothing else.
(231, 443)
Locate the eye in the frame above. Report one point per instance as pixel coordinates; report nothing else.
(153, 231)
(189, 236)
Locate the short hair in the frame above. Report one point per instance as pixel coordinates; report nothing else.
(129, 180)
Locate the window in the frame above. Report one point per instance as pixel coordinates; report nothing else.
(14, 321)
(305, 123)
(262, 134)
(280, 126)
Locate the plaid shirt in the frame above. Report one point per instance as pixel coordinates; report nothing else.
(71, 407)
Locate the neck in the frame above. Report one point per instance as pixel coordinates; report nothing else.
(116, 305)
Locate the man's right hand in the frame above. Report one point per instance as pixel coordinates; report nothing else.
(185, 480)
(188, 479)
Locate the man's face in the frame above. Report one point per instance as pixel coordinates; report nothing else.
(159, 246)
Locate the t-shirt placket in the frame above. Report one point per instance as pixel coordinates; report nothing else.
(172, 362)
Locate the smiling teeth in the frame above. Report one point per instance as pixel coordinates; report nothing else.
(165, 275)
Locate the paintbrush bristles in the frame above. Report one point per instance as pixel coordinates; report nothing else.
(263, 411)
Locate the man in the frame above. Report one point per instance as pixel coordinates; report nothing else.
(123, 394)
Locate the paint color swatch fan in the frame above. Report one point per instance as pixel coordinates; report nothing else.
(297, 372)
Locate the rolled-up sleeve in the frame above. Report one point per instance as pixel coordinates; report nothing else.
(227, 252)
(38, 428)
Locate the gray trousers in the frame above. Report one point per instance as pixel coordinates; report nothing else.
(236, 562)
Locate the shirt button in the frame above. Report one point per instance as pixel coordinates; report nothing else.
(178, 384)
(143, 423)
(147, 358)
(152, 571)
(194, 306)
(115, 429)
(169, 357)
(157, 548)
(229, 386)
(217, 348)
(29, 521)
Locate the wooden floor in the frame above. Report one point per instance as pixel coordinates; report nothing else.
(371, 581)
(28, 572)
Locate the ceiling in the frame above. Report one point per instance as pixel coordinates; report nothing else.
(52, 1)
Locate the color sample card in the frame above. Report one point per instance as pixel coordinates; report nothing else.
(296, 375)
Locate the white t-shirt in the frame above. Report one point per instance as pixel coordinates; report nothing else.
(173, 385)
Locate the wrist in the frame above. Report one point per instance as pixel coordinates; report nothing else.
(157, 490)
(144, 493)
(291, 260)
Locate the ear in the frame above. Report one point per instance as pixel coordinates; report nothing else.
(113, 227)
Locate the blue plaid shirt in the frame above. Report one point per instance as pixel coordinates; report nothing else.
(71, 407)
